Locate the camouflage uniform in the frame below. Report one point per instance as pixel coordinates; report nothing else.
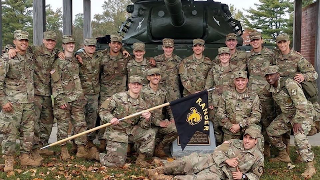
(16, 87)
(213, 166)
(66, 89)
(237, 58)
(170, 67)
(135, 129)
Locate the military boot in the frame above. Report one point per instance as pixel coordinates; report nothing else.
(317, 123)
(299, 159)
(266, 151)
(159, 151)
(27, 160)
(286, 141)
(81, 152)
(141, 161)
(74, 148)
(310, 171)
(36, 155)
(46, 152)
(64, 153)
(90, 144)
(93, 154)
(102, 146)
(283, 157)
(313, 131)
(8, 163)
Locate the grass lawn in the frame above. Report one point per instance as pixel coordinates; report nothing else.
(53, 168)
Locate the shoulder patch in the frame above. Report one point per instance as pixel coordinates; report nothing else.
(105, 104)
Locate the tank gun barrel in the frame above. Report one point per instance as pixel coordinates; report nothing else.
(174, 8)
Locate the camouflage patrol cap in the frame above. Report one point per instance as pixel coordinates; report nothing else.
(231, 36)
(90, 42)
(153, 71)
(282, 37)
(19, 34)
(115, 38)
(272, 70)
(139, 46)
(223, 50)
(240, 74)
(198, 41)
(254, 131)
(168, 42)
(67, 39)
(50, 35)
(135, 79)
(255, 35)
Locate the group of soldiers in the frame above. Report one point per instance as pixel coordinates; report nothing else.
(258, 97)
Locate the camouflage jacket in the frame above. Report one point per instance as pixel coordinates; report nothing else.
(291, 100)
(139, 68)
(251, 161)
(121, 105)
(44, 60)
(155, 98)
(238, 108)
(65, 81)
(113, 74)
(193, 73)
(256, 65)
(89, 73)
(294, 63)
(16, 79)
(239, 57)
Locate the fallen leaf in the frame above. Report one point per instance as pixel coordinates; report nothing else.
(10, 173)
(18, 170)
(170, 159)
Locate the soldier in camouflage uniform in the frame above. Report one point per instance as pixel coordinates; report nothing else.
(69, 98)
(234, 159)
(294, 65)
(294, 115)
(154, 95)
(258, 60)
(136, 129)
(194, 69)
(239, 108)
(169, 64)
(17, 102)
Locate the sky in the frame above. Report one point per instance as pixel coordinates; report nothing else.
(96, 5)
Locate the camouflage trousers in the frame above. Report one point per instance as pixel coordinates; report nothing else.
(218, 133)
(117, 144)
(17, 123)
(91, 114)
(166, 135)
(282, 125)
(267, 115)
(101, 131)
(316, 107)
(74, 113)
(43, 119)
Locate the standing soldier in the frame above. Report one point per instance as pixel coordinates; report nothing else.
(68, 97)
(194, 69)
(294, 115)
(168, 63)
(154, 95)
(17, 102)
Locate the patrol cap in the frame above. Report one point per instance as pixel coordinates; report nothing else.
(19, 34)
(198, 41)
(255, 35)
(50, 35)
(115, 38)
(223, 50)
(67, 39)
(231, 36)
(135, 79)
(240, 74)
(139, 46)
(90, 42)
(282, 37)
(168, 42)
(254, 131)
(272, 70)
(153, 71)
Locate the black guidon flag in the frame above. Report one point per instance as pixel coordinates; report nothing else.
(191, 114)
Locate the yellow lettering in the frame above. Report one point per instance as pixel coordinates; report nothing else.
(206, 128)
(203, 105)
(206, 117)
(199, 101)
(205, 111)
(206, 122)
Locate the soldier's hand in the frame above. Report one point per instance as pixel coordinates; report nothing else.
(297, 128)
(7, 107)
(237, 174)
(12, 53)
(299, 78)
(79, 58)
(164, 123)
(211, 107)
(152, 62)
(125, 53)
(146, 115)
(61, 55)
(233, 162)
(235, 128)
(114, 121)
(64, 106)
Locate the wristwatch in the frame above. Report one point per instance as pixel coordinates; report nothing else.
(244, 176)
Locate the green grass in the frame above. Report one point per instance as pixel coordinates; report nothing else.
(54, 168)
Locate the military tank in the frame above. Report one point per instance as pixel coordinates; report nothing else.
(181, 20)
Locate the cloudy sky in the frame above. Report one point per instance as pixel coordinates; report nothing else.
(96, 5)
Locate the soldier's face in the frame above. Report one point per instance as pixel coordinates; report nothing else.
(21, 45)
(284, 46)
(138, 55)
(69, 47)
(256, 43)
(167, 50)
(241, 84)
(198, 49)
(272, 79)
(135, 87)
(232, 44)
(249, 142)
(90, 49)
(49, 44)
(115, 46)
(154, 78)
(224, 58)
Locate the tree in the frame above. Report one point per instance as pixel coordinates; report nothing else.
(77, 30)
(54, 23)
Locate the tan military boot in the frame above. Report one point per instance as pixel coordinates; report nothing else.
(317, 123)
(36, 155)
(266, 151)
(90, 144)
(27, 160)
(102, 146)
(159, 151)
(81, 152)
(64, 153)
(141, 161)
(283, 157)
(286, 141)
(93, 154)
(313, 131)
(310, 171)
(158, 174)
(8, 163)
(299, 159)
